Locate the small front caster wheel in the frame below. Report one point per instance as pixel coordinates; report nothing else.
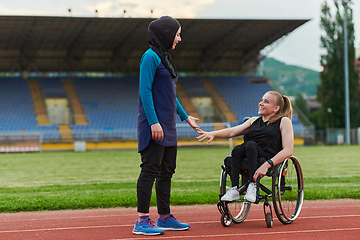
(225, 220)
(268, 220)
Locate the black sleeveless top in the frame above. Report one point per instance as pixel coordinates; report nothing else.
(268, 137)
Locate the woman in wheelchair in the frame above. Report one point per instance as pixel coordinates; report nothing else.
(269, 136)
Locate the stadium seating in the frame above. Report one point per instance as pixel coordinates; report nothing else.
(18, 111)
(194, 87)
(110, 104)
(241, 96)
(16, 105)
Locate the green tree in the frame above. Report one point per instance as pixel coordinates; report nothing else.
(331, 91)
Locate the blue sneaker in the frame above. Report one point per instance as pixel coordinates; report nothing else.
(171, 224)
(147, 227)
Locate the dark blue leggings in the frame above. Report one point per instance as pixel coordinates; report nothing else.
(252, 152)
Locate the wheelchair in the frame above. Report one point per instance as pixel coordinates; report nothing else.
(286, 191)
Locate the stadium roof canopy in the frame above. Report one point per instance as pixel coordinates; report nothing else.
(58, 44)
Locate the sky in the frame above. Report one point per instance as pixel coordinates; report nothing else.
(300, 48)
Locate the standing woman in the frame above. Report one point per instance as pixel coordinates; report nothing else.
(156, 130)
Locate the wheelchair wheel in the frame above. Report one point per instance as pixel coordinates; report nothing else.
(269, 220)
(237, 210)
(225, 220)
(288, 190)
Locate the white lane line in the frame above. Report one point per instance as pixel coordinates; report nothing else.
(135, 215)
(333, 216)
(131, 225)
(245, 234)
(57, 229)
(58, 218)
(120, 215)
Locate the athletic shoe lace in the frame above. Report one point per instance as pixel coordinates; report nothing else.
(150, 223)
(173, 218)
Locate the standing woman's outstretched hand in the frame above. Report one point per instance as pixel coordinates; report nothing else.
(157, 132)
(192, 122)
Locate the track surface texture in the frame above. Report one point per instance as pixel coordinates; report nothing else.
(338, 219)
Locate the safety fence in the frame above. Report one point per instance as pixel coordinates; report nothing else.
(26, 141)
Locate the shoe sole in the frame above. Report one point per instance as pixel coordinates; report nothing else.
(174, 229)
(250, 200)
(148, 234)
(229, 200)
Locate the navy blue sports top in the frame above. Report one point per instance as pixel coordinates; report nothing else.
(157, 101)
(267, 136)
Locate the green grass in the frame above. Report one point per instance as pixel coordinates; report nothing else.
(68, 180)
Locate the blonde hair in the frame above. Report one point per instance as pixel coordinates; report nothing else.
(284, 103)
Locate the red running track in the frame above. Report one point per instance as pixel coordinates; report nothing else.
(318, 220)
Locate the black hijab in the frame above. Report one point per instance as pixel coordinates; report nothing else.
(162, 32)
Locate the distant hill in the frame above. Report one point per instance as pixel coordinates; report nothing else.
(291, 80)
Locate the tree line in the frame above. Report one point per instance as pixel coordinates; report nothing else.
(331, 90)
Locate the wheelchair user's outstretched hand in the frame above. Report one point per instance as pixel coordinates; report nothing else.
(205, 135)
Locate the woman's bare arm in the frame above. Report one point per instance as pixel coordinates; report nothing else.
(228, 132)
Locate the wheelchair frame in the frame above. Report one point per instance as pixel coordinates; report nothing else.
(287, 193)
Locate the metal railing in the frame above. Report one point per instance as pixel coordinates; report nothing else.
(184, 132)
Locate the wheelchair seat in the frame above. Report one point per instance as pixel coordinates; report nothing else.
(244, 164)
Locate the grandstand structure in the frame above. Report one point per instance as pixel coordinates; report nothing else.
(66, 80)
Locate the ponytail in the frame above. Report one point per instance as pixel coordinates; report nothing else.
(285, 109)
